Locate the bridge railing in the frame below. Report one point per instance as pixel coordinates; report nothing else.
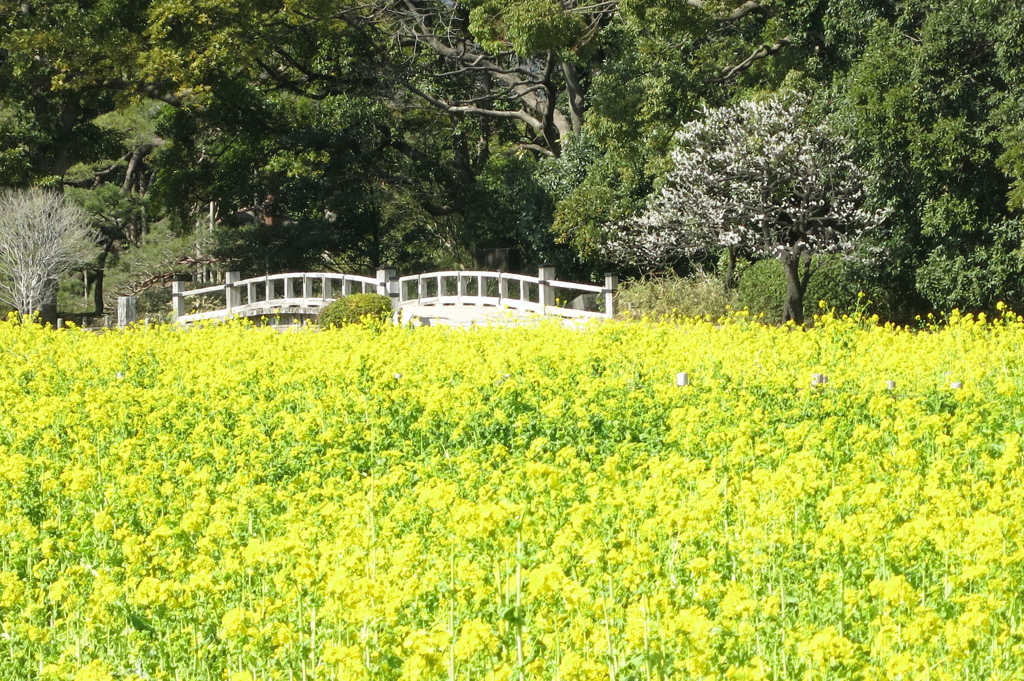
(542, 294)
(303, 293)
(268, 295)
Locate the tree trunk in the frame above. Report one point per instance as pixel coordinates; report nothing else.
(730, 270)
(48, 309)
(793, 310)
(97, 292)
(552, 132)
(57, 160)
(97, 282)
(575, 92)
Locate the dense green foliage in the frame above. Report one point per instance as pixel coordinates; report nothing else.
(666, 297)
(358, 308)
(263, 135)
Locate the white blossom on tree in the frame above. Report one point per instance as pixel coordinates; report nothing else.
(42, 235)
(758, 176)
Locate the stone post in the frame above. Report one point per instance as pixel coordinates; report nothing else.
(178, 299)
(546, 292)
(126, 311)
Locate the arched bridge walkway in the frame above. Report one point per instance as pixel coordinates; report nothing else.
(448, 297)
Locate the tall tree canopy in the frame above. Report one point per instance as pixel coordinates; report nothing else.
(344, 134)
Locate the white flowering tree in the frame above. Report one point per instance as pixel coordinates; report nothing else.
(758, 176)
(42, 235)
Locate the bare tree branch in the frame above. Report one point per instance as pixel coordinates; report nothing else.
(612, 6)
(743, 10)
(131, 179)
(730, 72)
(464, 109)
(536, 147)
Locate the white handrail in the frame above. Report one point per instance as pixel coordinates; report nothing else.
(336, 276)
(586, 288)
(209, 289)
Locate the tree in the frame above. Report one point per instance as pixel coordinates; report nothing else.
(62, 63)
(42, 235)
(934, 107)
(449, 88)
(758, 176)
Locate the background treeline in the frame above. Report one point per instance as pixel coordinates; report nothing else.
(274, 135)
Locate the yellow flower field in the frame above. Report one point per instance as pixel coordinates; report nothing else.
(239, 504)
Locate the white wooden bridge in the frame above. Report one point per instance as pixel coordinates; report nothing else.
(448, 297)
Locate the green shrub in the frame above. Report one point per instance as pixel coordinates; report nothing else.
(358, 308)
(668, 296)
(762, 288)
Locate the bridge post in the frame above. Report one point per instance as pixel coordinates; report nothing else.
(502, 287)
(178, 299)
(387, 283)
(546, 292)
(611, 283)
(232, 296)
